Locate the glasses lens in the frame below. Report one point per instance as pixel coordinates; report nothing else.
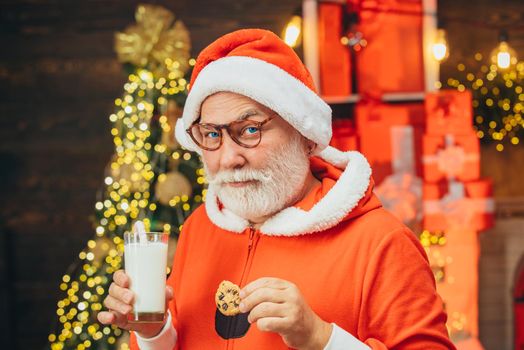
(206, 136)
(246, 132)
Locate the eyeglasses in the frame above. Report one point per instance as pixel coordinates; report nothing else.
(246, 133)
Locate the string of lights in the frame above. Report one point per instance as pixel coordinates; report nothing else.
(498, 100)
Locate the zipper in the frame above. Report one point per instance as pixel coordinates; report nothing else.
(251, 245)
(253, 239)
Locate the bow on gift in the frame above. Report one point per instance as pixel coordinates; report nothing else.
(446, 107)
(458, 209)
(401, 192)
(450, 160)
(155, 43)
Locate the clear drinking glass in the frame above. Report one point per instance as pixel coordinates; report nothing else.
(145, 259)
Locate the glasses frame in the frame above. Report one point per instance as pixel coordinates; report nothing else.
(227, 127)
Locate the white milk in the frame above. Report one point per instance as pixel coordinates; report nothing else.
(145, 263)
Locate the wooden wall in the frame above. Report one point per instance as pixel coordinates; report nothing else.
(58, 78)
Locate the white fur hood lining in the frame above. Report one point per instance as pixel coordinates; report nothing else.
(350, 188)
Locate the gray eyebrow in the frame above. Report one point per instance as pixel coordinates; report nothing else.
(250, 112)
(244, 115)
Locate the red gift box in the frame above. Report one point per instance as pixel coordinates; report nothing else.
(392, 61)
(375, 122)
(449, 112)
(334, 58)
(465, 205)
(451, 156)
(344, 135)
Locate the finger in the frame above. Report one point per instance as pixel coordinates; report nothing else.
(169, 296)
(121, 320)
(106, 317)
(114, 304)
(169, 293)
(266, 309)
(113, 318)
(264, 294)
(272, 324)
(123, 294)
(121, 279)
(272, 282)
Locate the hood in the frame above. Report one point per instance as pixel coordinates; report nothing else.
(345, 192)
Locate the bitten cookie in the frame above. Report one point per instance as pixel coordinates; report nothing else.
(227, 298)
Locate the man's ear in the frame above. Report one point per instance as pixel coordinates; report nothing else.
(310, 147)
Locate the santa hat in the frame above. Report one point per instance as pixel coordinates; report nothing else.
(256, 63)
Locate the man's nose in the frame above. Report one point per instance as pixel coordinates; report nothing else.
(231, 153)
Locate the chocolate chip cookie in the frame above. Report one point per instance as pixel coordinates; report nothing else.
(227, 298)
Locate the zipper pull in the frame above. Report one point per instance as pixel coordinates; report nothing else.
(251, 235)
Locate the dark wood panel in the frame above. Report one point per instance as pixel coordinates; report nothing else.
(34, 264)
(35, 301)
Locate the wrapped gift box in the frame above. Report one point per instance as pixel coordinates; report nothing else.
(375, 123)
(452, 204)
(392, 61)
(334, 58)
(449, 112)
(344, 135)
(451, 156)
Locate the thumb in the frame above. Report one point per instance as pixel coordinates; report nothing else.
(169, 293)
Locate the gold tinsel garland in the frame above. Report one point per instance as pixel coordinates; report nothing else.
(155, 42)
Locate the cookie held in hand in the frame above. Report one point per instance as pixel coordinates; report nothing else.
(227, 298)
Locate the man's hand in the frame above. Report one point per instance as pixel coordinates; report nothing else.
(278, 306)
(120, 303)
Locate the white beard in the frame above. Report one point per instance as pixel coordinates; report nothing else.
(275, 187)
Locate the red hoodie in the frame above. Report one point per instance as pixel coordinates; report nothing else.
(354, 263)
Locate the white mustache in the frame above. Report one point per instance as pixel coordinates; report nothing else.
(239, 175)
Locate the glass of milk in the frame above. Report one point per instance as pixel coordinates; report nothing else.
(145, 258)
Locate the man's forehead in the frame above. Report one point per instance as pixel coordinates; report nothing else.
(226, 107)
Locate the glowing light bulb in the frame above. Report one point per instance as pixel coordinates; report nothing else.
(503, 55)
(439, 49)
(292, 31)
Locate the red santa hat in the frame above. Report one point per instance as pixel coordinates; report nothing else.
(256, 63)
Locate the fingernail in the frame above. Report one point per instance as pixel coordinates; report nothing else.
(242, 293)
(242, 307)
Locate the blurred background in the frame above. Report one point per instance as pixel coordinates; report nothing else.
(430, 91)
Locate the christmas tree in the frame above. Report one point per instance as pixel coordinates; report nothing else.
(149, 177)
(498, 98)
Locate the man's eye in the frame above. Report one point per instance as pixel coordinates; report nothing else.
(250, 130)
(211, 134)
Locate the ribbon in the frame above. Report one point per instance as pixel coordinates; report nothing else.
(401, 192)
(154, 42)
(451, 160)
(458, 209)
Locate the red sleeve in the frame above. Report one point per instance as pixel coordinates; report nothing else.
(132, 341)
(401, 308)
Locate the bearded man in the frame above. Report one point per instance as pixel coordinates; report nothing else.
(292, 221)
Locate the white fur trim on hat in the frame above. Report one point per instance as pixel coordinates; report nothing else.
(340, 200)
(265, 83)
